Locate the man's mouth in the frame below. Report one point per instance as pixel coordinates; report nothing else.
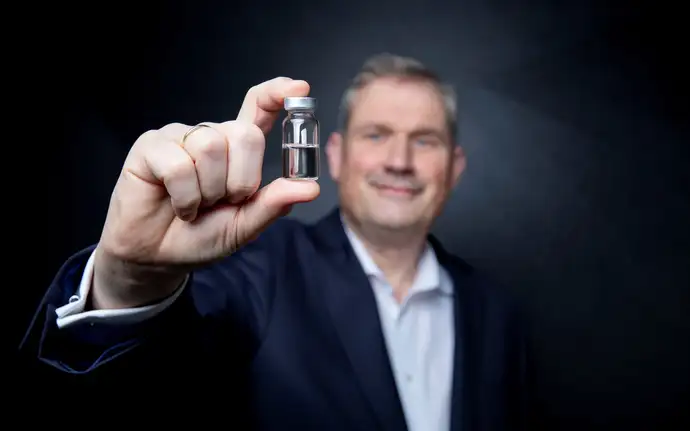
(396, 190)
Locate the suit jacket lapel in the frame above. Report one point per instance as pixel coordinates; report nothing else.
(468, 328)
(352, 306)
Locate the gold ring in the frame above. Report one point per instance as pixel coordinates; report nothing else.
(192, 130)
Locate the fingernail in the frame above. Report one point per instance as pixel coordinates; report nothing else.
(188, 215)
(237, 199)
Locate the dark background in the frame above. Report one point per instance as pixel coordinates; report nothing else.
(573, 115)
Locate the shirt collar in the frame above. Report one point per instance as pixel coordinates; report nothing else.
(428, 276)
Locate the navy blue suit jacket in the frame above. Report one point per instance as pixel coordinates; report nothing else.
(285, 335)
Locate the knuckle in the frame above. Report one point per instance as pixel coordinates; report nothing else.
(253, 91)
(179, 169)
(245, 134)
(172, 126)
(148, 136)
(259, 88)
(173, 130)
(206, 141)
(279, 79)
(254, 88)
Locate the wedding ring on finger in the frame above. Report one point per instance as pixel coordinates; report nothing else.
(192, 130)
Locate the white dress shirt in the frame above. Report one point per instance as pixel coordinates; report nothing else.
(419, 332)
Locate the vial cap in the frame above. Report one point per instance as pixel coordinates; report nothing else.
(292, 103)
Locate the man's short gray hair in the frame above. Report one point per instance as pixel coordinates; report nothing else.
(390, 65)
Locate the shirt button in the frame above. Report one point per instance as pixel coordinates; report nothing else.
(408, 377)
(73, 298)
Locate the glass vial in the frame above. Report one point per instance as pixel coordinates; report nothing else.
(300, 139)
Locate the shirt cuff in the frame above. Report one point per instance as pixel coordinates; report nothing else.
(73, 312)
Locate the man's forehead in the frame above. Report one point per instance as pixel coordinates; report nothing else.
(391, 101)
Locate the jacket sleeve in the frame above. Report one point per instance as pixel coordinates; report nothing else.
(215, 319)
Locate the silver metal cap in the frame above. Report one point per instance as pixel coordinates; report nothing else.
(293, 103)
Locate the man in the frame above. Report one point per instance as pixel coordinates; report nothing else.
(199, 294)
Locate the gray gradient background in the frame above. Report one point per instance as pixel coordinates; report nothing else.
(576, 191)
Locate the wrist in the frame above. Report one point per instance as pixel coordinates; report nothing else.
(119, 284)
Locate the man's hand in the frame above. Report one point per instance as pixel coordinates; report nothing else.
(188, 197)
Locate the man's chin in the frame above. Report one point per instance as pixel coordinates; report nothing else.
(395, 221)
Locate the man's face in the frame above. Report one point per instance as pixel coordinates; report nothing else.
(396, 163)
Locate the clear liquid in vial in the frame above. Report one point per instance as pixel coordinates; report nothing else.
(301, 161)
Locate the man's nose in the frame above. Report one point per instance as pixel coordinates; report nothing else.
(400, 155)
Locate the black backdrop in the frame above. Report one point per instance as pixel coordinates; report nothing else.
(572, 113)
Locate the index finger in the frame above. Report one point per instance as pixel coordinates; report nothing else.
(263, 103)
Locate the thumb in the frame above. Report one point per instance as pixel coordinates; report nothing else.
(272, 202)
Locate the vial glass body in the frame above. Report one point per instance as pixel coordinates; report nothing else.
(301, 150)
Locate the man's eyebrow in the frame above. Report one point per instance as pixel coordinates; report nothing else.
(428, 131)
(373, 126)
(423, 131)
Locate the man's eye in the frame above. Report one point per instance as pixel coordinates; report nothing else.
(427, 142)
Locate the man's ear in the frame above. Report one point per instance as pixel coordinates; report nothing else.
(334, 154)
(459, 164)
